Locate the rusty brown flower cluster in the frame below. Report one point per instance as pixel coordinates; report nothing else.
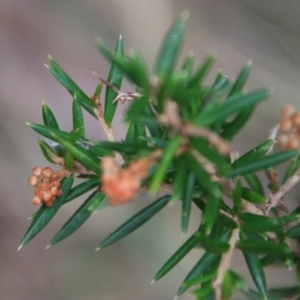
(289, 138)
(121, 184)
(46, 183)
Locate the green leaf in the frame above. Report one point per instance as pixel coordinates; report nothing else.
(133, 67)
(248, 246)
(253, 197)
(170, 47)
(115, 77)
(136, 221)
(69, 161)
(98, 90)
(48, 131)
(231, 281)
(203, 70)
(48, 117)
(232, 128)
(89, 107)
(187, 201)
(291, 169)
(70, 85)
(176, 257)
(45, 214)
(77, 219)
(294, 232)
(82, 188)
(263, 163)
(78, 123)
(255, 184)
(48, 152)
(241, 79)
(254, 154)
(179, 182)
(263, 223)
(208, 277)
(202, 177)
(85, 157)
(285, 292)
(257, 272)
(211, 212)
(237, 197)
(212, 245)
(166, 159)
(188, 64)
(204, 292)
(252, 295)
(205, 261)
(232, 105)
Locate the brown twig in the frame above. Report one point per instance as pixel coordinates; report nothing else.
(225, 264)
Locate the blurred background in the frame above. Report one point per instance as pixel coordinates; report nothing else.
(266, 32)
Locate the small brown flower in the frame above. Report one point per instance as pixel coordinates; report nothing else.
(46, 183)
(121, 185)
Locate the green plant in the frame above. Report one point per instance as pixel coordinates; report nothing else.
(179, 141)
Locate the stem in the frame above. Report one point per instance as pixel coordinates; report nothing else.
(107, 129)
(225, 264)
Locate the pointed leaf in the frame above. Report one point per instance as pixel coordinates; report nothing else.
(248, 246)
(211, 212)
(241, 79)
(294, 232)
(179, 183)
(208, 259)
(232, 105)
(48, 131)
(231, 281)
(70, 85)
(202, 279)
(203, 70)
(78, 123)
(212, 245)
(231, 129)
(202, 177)
(177, 257)
(254, 154)
(253, 197)
(255, 184)
(204, 292)
(69, 161)
(170, 47)
(188, 64)
(237, 197)
(82, 188)
(136, 221)
(163, 164)
(205, 261)
(133, 67)
(263, 163)
(187, 201)
(115, 78)
(45, 214)
(48, 117)
(257, 272)
(78, 218)
(85, 157)
(48, 152)
(291, 169)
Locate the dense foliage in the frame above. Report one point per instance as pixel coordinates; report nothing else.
(179, 142)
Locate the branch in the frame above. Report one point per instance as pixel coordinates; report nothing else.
(225, 264)
(107, 129)
(275, 199)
